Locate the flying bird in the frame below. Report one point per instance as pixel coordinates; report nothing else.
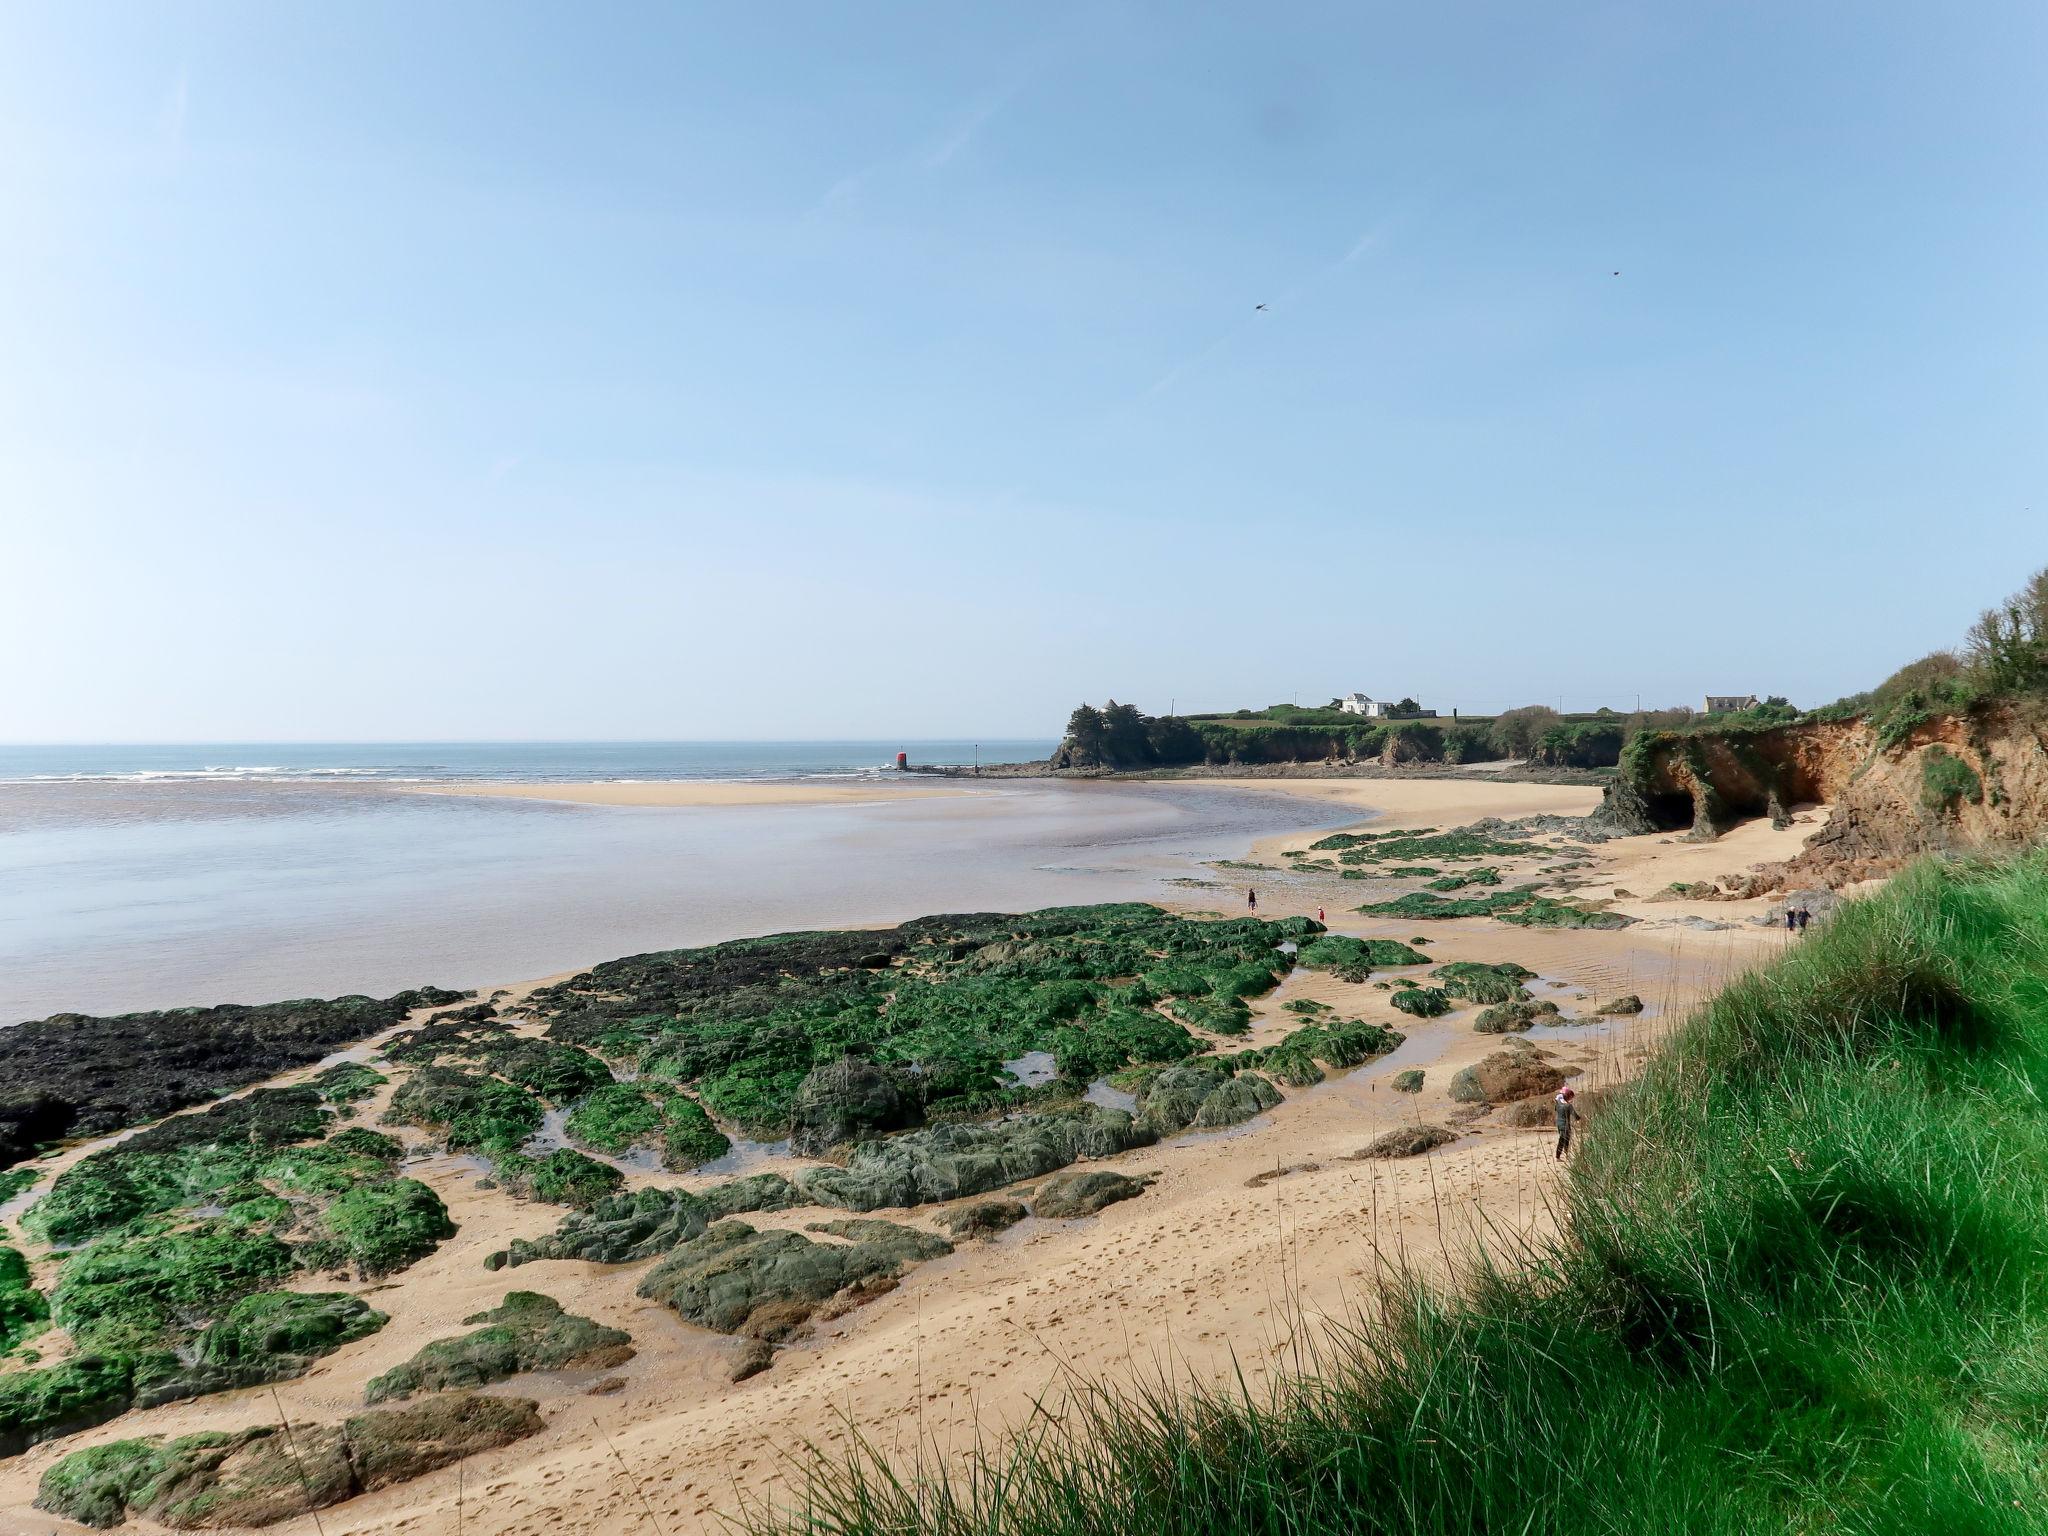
(1258, 306)
(1614, 274)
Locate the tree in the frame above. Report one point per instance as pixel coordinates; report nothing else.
(1408, 707)
(1123, 735)
(1517, 732)
(1085, 734)
(2007, 648)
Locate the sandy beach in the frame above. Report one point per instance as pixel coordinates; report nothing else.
(1250, 1240)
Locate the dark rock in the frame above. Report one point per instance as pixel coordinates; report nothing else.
(1627, 1003)
(1513, 1018)
(1406, 1141)
(74, 1075)
(1084, 1191)
(755, 1356)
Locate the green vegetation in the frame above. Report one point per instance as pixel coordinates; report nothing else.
(380, 1227)
(1543, 912)
(1423, 1002)
(1946, 781)
(269, 1336)
(743, 1024)
(621, 1116)
(136, 1289)
(1477, 982)
(1426, 904)
(527, 1332)
(1341, 953)
(347, 1082)
(78, 1392)
(468, 1111)
(22, 1308)
(1801, 1285)
(1485, 875)
(264, 1474)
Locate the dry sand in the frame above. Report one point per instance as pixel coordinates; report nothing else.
(1251, 1239)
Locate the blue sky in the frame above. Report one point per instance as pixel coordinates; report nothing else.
(380, 371)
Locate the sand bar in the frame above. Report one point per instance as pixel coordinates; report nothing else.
(689, 792)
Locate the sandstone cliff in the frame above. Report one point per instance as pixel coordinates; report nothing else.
(1951, 783)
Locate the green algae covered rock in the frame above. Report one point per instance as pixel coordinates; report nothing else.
(621, 1116)
(132, 1290)
(744, 1024)
(1235, 1101)
(380, 1228)
(633, 1225)
(528, 1332)
(74, 1394)
(735, 1279)
(849, 1100)
(1409, 1081)
(467, 1110)
(1341, 952)
(1514, 1017)
(1084, 1191)
(346, 1082)
(261, 1475)
(1423, 1002)
(1172, 1099)
(22, 1307)
(1477, 982)
(560, 1177)
(953, 1161)
(270, 1336)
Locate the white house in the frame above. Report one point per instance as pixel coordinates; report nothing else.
(1359, 704)
(1728, 703)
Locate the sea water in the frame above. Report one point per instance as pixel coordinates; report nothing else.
(147, 878)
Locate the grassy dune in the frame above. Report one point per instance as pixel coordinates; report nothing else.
(1803, 1287)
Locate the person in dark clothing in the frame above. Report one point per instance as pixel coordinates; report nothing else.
(1567, 1112)
(1791, 919)
(1805, 917)
(1251, 901)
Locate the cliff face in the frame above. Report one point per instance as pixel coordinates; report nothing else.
(1952, 784)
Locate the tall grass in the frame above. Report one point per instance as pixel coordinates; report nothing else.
(1800, 1288)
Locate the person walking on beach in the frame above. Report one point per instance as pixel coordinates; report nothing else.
(1251, 900)
(1805, 917)
(1791, 919)
(1566, 1114)
(1319, 914)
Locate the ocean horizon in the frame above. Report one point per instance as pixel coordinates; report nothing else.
(502, 762)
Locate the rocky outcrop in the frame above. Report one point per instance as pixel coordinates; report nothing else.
(1084, 1191)
(528, 1332)
(76, 1075)
(1519, 1072)
(259, 1476)
(984, 1219)
(1406, 1141)
(1946, 783)
(767, 1284)
(952, 1161)
(270, 1336)
(849, 1100)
